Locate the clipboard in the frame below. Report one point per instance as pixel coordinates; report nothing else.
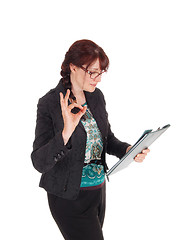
(146, 139)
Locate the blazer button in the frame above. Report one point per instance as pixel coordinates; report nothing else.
(65, 188)
(55, 159)
(59, 155)
(62, 153)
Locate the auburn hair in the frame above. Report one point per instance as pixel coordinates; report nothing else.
(82, 52)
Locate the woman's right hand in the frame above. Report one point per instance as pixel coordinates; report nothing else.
(70, 120)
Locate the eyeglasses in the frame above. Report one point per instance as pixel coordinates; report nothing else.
(93, 75)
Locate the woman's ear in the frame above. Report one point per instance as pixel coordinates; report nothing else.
(72, 67)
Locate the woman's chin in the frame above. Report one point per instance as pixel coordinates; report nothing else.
(91, 88)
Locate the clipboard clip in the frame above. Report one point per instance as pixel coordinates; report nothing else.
(166, 126)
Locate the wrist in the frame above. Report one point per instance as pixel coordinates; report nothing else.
(65, 136)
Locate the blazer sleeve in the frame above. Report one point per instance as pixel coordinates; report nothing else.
(113, 145)
(48, 147)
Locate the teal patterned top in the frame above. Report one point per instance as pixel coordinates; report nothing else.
(93, 173)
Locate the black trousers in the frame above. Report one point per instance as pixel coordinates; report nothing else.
(80, 219)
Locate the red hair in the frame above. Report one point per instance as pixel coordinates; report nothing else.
(82, 52)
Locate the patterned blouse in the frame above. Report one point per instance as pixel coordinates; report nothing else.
(93, 175)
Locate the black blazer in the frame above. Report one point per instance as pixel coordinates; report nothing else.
(61, 165)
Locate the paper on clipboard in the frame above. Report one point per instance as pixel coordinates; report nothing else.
(146, 139)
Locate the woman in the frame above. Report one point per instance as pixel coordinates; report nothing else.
(72, 137)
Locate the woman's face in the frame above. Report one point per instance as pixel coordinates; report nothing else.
(81, 79)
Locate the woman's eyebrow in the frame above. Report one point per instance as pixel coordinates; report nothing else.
(94, 68)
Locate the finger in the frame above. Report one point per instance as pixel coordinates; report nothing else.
(84, 109)
(141, 156)
(61, 99)
(138, 159)
(145, 150)
(72, 105)
(67, 97)
(81, 113)
(61, 95)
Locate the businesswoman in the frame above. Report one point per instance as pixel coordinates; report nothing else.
(72, 137)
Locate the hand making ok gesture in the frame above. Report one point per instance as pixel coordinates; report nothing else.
(70, 119)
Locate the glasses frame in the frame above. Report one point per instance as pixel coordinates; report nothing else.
(90, 73)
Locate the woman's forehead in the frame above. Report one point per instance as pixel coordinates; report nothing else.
(95, 65)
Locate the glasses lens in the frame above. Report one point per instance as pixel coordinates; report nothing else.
(94, 75)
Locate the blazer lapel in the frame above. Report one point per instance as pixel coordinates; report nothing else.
(93, 104)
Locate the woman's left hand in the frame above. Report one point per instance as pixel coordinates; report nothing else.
(141, 156)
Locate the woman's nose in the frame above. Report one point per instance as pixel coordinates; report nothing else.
(98, 79)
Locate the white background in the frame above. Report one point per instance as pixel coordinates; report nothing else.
(143, 89)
